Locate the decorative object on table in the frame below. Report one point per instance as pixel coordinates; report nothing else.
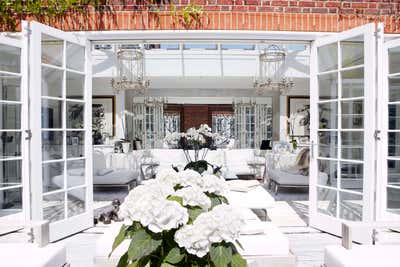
(111, 214)
(180, 219)
(126, 144)
(131, 74)
(298, 115)
(103, 118)
(280, 147)
(199, 141)
(272, 72)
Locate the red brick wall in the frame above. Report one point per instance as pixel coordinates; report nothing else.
(194, 116)
(283, 15)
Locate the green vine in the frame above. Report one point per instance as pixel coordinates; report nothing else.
(12, 11)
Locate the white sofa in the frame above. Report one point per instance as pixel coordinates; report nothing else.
(232, 160)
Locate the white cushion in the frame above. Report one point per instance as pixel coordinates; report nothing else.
(247, 214)
(236, 160)
(256, 198)
(286, 178)
(28, 254)
(363, 255)
(272, 242)
(215, 157)
(242, 185)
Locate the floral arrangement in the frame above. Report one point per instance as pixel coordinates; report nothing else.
(201, 139)
(180, 219)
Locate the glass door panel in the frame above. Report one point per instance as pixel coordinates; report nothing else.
(64, 196)
(388, 207)
(13, 158)
(340, 89)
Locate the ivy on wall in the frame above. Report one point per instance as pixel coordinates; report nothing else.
(11, 11)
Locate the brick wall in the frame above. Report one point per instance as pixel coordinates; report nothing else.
(194, 116)
(282, 15)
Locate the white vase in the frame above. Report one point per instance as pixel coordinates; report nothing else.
(125, 147)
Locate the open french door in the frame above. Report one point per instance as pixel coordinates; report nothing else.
(60, 122)
(14, 163)
(343, 111)
(388, 182)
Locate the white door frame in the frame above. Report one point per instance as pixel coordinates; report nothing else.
(318, 220)
(68, 226)
(22, 45)
(383, 124)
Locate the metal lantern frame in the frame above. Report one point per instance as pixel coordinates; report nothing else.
(131, 73)
(270, 77)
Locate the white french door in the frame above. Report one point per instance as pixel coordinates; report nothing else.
(14, 192)
(343, 112)
(60, 121)
(388, 180)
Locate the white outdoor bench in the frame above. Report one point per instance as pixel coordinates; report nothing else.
(349, 255)
(40, 254)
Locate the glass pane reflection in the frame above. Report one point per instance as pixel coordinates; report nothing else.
(326, 201)
(327, 172)
(393, 172)
(353, 145)
(350, 207)
(328, 57)
(328, 116)
(10, 173)
(52, 176)
(352, 175)
(52, 145)
(10, 201)
(76, 201)
(328, 144)
(54, 207)
(10, 144)
(393, 200)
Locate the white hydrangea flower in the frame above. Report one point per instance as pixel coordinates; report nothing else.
(222, 223)
(190, 178)
(194, 196)
(172, 138)
(214, 184)
(168, 175)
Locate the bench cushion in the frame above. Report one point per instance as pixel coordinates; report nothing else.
(28, 254)
(363, 255)
(286, 178)
(256, 198)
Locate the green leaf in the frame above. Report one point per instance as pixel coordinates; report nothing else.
(134, 264)
(174, 256)
(176, 198)
(221, 255)
(123, 261)
(166, 264)
(215, 201)
(194, 213)
(118, 239)
(142, 244)
(238, 261)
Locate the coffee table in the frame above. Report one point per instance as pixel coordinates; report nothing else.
(254, 196)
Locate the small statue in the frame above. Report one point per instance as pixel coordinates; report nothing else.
(111, 214)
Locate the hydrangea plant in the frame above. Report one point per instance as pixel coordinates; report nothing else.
(180, 219)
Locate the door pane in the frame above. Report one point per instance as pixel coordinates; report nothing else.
(393, 200)
(52, 50)
(75, 85)
(52, 176)
(326, 201)
(328, 86)
(10, 116)
(52, 82)
(10, 173)
(54, 207)
(327, 172)
(75, 144)
(393, 172)
(394, 144)
(75, 113)
(352, 52)
(352, 145)
(351, 176)
(350, 207)
(76, 173)
(328, 144)
(76, 201)
(328, 115)
(394, 60)
(52, 114)
(394, 89)
(328, 57)
(75, 57)
(394, 117)
(10, 87)
(52, 145)
(10, 201)
(10, 144)
(353, 114)
(353, 83)
(10, 58)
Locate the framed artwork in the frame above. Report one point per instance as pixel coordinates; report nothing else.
(103, 118)
(298, 114)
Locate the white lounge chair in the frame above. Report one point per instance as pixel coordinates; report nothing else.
(38, 254)
(369, 255)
